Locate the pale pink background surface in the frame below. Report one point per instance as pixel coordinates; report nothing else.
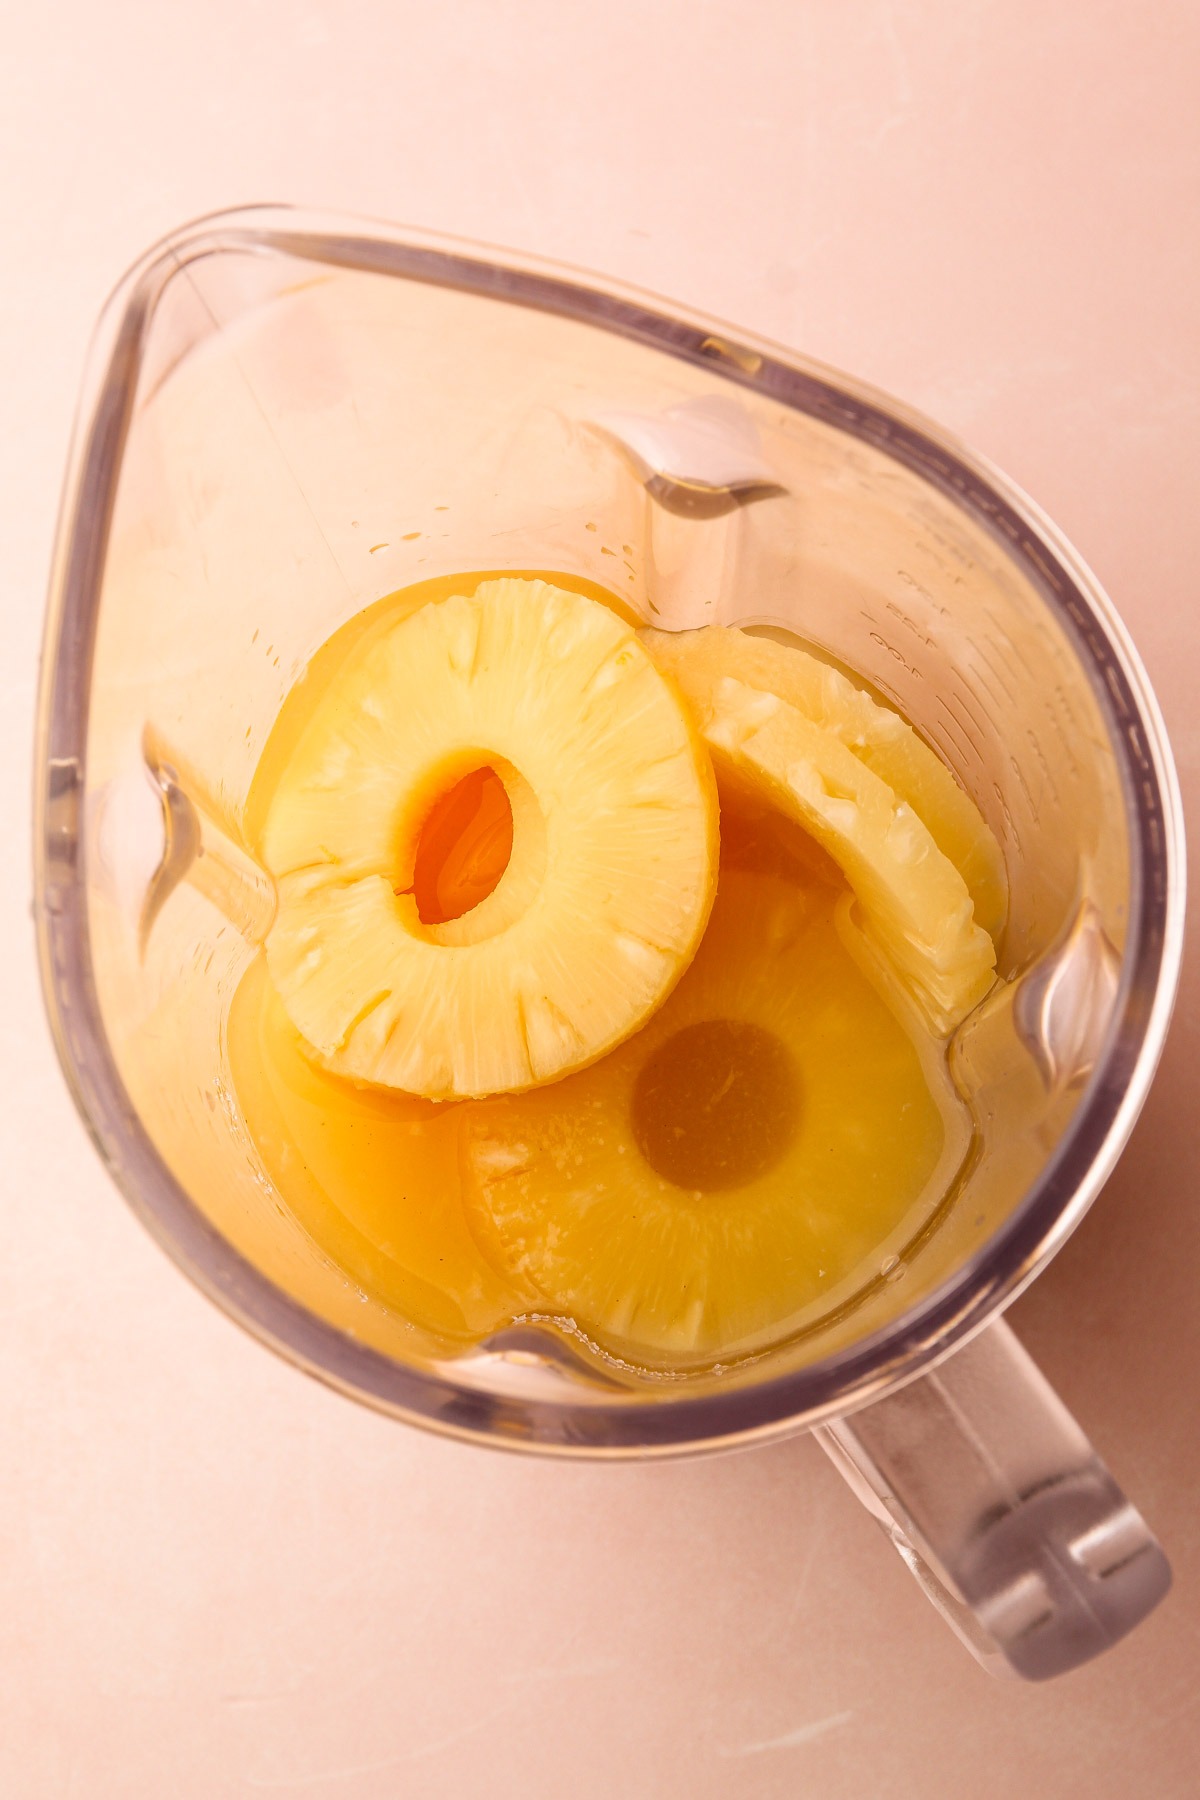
(219, 1579)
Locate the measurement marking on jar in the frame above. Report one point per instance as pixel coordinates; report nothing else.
(942, 732)
(921, 635)
(897, 655)
(929, 599)
(1010, 828)
(986, 675)
(1035, 745)
(1001, 661)
(959, 699)
(1017, 770)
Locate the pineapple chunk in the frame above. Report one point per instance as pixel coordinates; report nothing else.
(914, 904)
(879, 737)
(742, 1165)
(613, 864)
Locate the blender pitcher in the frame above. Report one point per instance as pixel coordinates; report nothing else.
(287, 418)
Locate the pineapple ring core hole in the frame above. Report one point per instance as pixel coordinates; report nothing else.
(463, 847)
(717, 1105)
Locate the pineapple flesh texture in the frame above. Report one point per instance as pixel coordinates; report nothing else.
(878, 737)
(613, 865)
(914, 907)
(742, 1165)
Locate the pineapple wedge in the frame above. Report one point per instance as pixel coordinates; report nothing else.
(743, 1164)
(879, 737)
(914, 904)
(613, 865)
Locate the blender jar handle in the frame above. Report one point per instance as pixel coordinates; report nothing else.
(1002, 1510)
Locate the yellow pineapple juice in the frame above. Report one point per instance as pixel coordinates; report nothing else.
(764, 1149)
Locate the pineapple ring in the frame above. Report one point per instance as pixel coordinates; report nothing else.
(742, 1165)
(915, 907)
(878, 737)
(611, 876)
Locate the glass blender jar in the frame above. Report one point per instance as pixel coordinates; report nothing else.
(286, 418)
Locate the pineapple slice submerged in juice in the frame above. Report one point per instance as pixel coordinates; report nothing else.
(741, 1164)
(916, 906)
(877, 736)
(494, 833)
